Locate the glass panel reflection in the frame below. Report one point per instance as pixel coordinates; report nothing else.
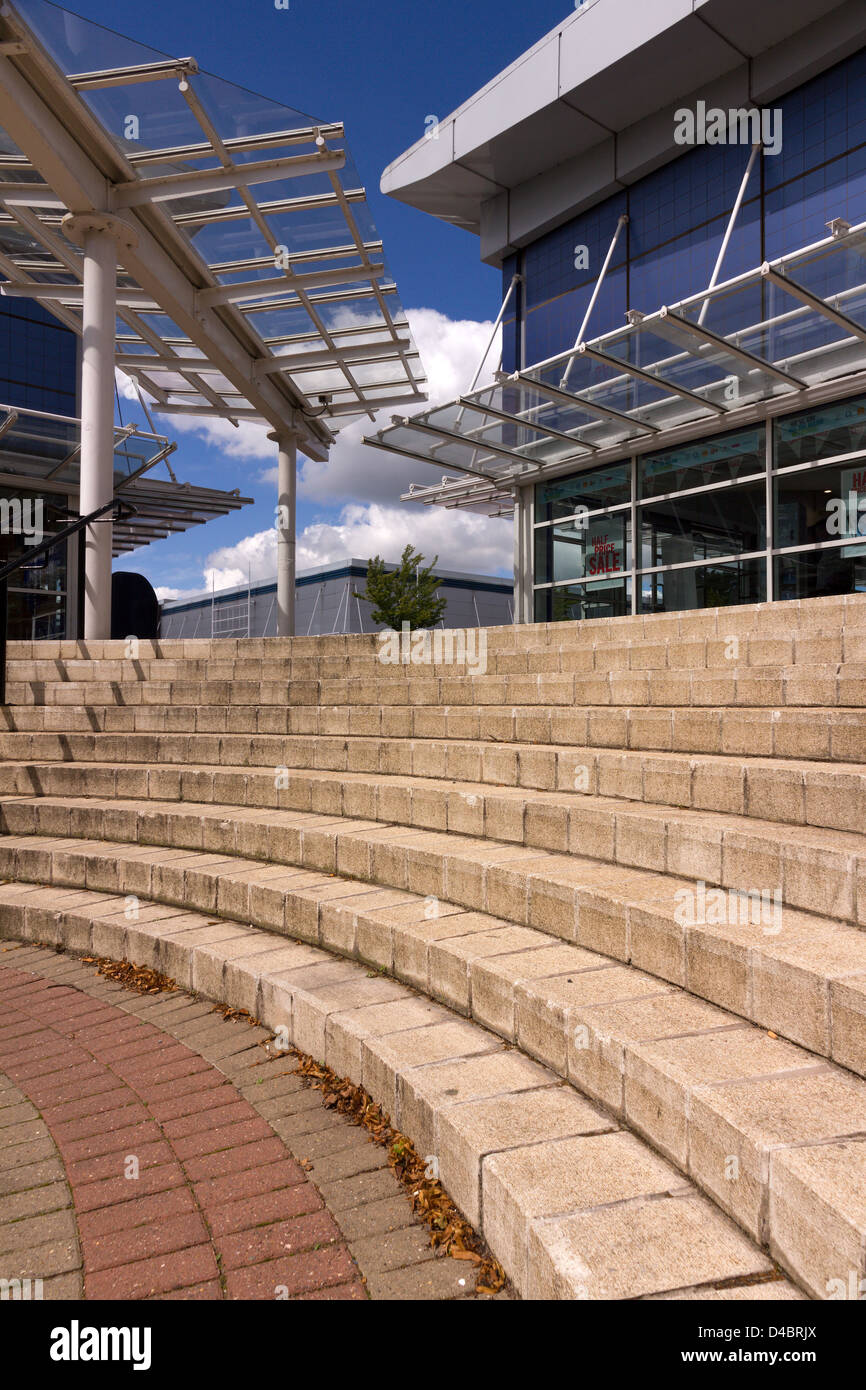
(595, 488)
(706, 461)
(602, 599)
(703, 525)
(816, 573)
(579, 549)
(705, 586)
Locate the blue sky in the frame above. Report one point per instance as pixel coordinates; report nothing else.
(382, 69)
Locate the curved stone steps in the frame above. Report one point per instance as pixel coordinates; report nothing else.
(817, 684)
(801, 617)
(551, 1181)
(673, 1069)
(606, 1029)
(791, 732)
(808, 983)
(810, 869)
(789, 791)
(747, 648)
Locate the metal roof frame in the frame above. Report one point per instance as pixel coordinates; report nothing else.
(167, 237)
(35, 97)
(32, 439)
(664, 410)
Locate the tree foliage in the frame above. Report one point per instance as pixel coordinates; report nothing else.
(406, 594)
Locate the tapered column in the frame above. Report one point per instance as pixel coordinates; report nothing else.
(97, 424)
(287, 454)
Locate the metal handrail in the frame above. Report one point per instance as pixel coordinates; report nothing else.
(23, 560)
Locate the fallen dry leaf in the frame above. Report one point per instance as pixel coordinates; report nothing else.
(450, 1232)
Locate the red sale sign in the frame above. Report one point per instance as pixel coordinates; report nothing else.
(605, 553)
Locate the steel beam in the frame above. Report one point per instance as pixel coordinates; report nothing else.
(133, 192)
(813, 301)
(668, 387)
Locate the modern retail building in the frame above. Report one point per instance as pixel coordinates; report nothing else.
(675, 193)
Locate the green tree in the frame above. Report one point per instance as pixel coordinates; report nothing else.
(404, 595)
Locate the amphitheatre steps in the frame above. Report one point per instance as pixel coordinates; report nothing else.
(586, 916)
(836, 735)
(811, 869)
(672, 1069)
(801, 975)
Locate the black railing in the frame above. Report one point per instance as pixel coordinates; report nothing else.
(26, 559)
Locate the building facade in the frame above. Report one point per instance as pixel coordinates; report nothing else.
(38, 373)
(325, 602)
(599, 228)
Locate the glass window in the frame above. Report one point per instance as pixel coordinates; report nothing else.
(580, 549)
(820, 504)
(36, 616)
(608, 598)
(705, 586)
(37, 591)
(705, 461)
(812, 435)
(838, 570)
(594, 489)
(705, 524)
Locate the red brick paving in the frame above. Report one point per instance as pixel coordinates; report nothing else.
(220, 1209)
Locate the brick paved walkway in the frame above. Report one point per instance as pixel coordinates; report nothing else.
(150, 1148)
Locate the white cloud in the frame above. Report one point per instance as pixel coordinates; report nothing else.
(253, 558)
(450, 351)
(365, 482)
(462, 541)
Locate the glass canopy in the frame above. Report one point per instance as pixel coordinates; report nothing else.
(45, 449)
(254, 285)
(698, 366)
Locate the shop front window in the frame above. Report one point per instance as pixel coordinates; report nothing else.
(37, 607)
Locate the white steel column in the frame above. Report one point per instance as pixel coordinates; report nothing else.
(97, 423)
(287, 447)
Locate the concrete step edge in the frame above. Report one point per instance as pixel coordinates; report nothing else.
(809, 988)
(537, 1229)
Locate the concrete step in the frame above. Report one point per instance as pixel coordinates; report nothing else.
(799, 974)
(811, 869)
(660, 1061)
(786, 791)
(826, 686)
(770, 619)
(485, 1113)
(770, 732)
(836, 647)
